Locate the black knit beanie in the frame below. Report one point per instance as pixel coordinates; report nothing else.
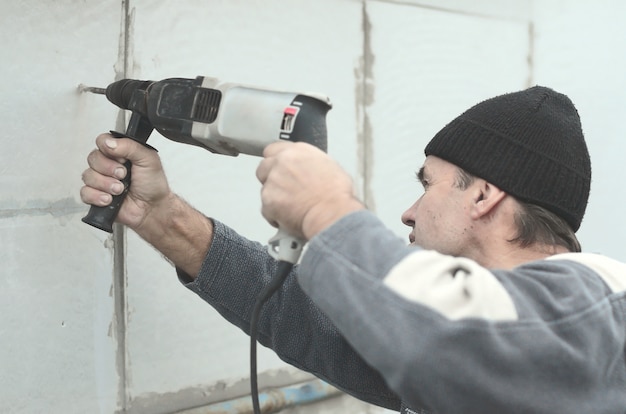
(528, 143)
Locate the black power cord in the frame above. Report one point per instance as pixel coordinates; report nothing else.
(282, 271)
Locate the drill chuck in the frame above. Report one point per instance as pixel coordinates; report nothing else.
(121, 92)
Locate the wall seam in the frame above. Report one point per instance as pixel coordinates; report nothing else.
(531, 52)
(411, 3)
(119, 233)
(366, 87)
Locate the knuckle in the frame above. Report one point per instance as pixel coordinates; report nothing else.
(85, 195)
(91, 158)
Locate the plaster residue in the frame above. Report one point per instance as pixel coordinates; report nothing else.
(222, 390)
(58, 208)
(125, 55)
(364, 92)
(531, 55)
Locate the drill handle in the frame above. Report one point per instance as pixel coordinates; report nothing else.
(310, 127)
(138, 129)
(104, 217)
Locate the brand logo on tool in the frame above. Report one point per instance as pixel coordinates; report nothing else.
(289, 119)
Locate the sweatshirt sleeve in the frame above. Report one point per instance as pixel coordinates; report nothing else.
(453, 337)
(236, 269)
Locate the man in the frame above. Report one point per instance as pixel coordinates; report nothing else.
(490, 310)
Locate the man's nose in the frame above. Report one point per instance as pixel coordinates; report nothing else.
(408, 217)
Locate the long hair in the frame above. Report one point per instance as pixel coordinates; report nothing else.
(534, 223)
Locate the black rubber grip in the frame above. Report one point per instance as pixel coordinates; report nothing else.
(310, 126)
(104, 217)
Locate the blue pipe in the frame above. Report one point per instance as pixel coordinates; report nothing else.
(273, 400)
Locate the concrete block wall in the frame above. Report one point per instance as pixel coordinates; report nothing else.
(98, 323)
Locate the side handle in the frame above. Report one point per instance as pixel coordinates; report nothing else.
(104, 217)
(139, 129)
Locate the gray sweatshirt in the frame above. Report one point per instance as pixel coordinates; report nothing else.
(402, 327)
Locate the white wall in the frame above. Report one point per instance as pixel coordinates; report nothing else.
(93, 323)
(57, 345)
(579, 49)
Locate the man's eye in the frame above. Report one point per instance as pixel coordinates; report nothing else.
(421, 178)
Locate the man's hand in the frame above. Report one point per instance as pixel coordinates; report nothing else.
(160, 217)
(102, 179)
(304, 190)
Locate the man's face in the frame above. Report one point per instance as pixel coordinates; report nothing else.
(440, 217)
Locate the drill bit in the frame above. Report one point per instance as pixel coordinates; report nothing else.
(84, 88)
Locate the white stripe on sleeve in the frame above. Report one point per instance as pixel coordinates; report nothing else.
(455, 287)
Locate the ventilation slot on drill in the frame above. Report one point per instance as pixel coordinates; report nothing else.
(206, 105)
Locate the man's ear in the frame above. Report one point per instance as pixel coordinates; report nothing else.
(486, 197)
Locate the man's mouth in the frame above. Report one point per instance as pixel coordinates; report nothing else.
(411, 238)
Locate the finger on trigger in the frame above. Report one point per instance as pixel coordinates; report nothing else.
(262, 170)
(275, 147)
